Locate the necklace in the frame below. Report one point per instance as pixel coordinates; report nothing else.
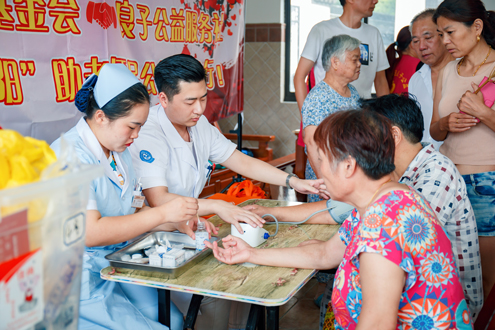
(462, 60)
(376, 192)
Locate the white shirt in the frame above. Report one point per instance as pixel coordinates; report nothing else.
(373, 56)
(421, 87)
(162, 158)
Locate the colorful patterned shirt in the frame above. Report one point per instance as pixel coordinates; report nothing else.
(402, 228)
(435, 177)
(322, 101)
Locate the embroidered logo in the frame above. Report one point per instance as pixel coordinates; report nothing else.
(145, 156)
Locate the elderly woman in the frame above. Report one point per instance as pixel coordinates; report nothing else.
(396, 266)
(340, 58)
(464, 120)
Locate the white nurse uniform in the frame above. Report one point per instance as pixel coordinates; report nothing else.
(105, 304)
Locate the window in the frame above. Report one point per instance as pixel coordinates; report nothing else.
(301, 15)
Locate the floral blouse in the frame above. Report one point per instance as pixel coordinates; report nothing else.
(321, 102)
(401, 227)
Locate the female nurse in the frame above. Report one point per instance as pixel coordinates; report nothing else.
(116, 105)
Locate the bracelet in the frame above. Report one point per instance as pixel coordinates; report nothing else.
(291, 175)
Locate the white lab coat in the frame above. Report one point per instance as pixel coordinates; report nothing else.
(106, 304)
(162, 158)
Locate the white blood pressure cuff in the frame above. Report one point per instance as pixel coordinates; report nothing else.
(339, 211)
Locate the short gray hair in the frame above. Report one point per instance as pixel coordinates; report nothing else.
(422, 15)
(337, 46)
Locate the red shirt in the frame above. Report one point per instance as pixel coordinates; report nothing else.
(402, 73)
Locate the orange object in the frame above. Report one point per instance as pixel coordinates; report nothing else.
(246, 188)
(239, 192)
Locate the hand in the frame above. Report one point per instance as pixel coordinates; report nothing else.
(235, 250)
(180, 209)
(189, 227)
(105, 15)
(258, 209)
(457, 122)
(233, 214)
(310, 241)
(306, 186)
(472, 104)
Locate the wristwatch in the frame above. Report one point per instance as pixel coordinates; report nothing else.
(288, 179)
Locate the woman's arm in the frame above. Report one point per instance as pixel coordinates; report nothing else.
(302, 70)
(382, 283)
(311, 149)
(321, 255)
(296, 213)
(227, 212)
(454, 122)
(101, 231)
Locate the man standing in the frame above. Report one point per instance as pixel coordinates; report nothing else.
(373, 57)
(432, 52)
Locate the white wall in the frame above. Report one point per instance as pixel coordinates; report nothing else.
(264, 11)
(489, 4)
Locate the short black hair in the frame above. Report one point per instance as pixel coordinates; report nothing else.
(174, 69)
(342, 2)
(403, 111)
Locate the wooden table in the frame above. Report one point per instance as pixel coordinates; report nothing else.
(253, 284)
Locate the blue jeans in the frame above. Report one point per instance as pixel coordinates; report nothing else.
(481, 193)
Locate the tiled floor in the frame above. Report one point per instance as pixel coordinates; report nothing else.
(301, 313)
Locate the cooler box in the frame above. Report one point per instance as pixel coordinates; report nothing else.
(42, 232)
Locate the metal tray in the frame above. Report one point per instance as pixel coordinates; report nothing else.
(152, 239)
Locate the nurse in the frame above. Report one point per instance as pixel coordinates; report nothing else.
(116, 105)
(177, 142)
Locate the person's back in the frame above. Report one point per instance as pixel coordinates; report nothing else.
(436, 177)
(403, 62)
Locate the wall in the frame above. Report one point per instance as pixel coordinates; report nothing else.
(264, 113)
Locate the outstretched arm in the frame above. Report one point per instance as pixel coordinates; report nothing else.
(256, 169)
(321, 255)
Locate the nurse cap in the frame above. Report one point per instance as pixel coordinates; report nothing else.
(112, 80)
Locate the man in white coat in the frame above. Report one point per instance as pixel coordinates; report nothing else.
(172, 154)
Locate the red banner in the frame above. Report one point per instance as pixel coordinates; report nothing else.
(50, 46)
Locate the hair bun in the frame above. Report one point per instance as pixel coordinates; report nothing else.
(83, 95)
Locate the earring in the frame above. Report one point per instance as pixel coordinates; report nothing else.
(478, 38)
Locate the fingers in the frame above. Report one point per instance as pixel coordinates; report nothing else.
(238, 227)
(186, 229)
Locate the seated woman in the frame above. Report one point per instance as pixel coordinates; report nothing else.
(396, 266)
(340, 58)
(116, 105)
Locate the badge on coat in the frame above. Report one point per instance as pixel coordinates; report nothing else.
(145, 156)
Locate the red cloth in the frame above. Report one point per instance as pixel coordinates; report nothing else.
(403, 73)
(238, 193)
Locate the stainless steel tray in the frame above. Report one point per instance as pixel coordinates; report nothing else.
(152, 239)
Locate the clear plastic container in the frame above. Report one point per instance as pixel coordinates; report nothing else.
(42, 234)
